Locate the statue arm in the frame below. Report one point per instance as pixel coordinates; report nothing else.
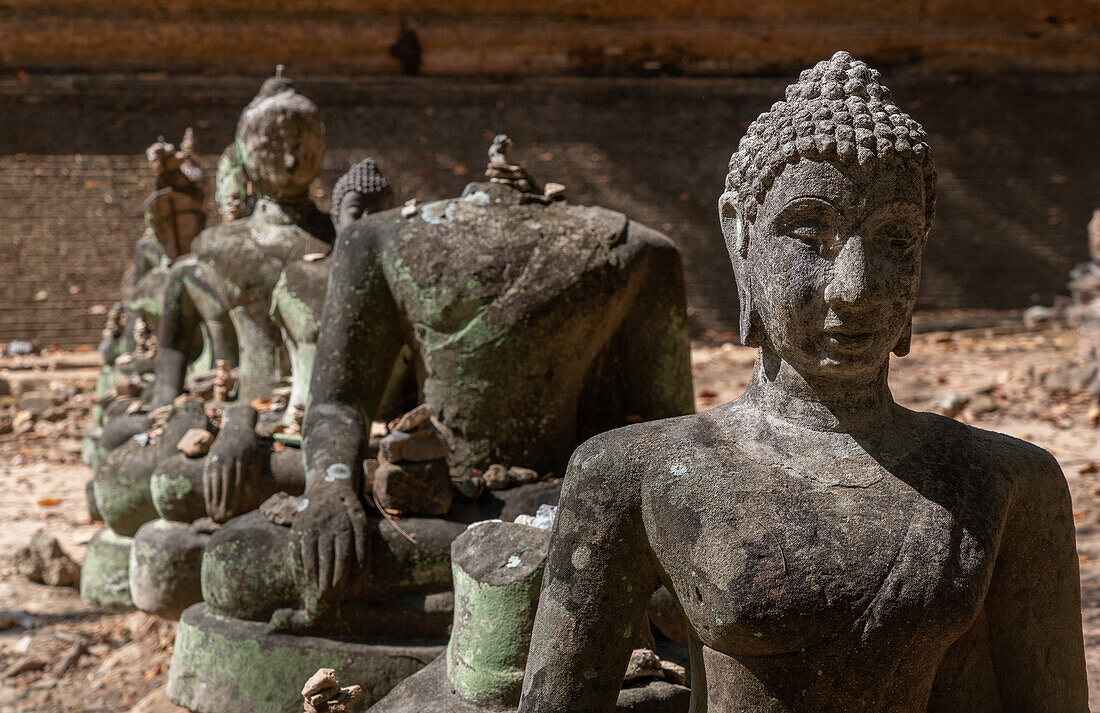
(360, 338)
(1034, 603)
(599, 577)
(656, 343)
(178, 336)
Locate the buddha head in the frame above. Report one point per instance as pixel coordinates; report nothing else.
(281, 142)
(360, 191)
(827, 207)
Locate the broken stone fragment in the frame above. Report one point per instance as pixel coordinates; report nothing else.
(423, 445)
(414, 419)
(414, 488)
(643, 664)
(44, 561)
(496, 477)
(522, 476)
(195, 443)
(281, 508)
(125, 386)
(22, 423)
(37, 402)
(553, 190)
(323, 694)
(324, 679)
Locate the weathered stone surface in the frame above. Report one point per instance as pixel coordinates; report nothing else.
(498, 570)
(195, 443)
(411, 421)
(104, 574)
(237, 264)
(470, 358)
(496, 477)
(666, 616)
(280, 508)
(414, 488)
(522, 476)
(45, 562)
(323, 680)
(423, 445)
(220, 664)
(847, 542)
(164, 567)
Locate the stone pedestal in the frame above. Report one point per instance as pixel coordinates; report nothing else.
(223, 664)
(164, 567)
(104, 576)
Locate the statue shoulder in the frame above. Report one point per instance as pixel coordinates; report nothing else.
(1025, 469)
(630, 457)
(217, 238)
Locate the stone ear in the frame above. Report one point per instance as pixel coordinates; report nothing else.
(735, 229)
(902, 347)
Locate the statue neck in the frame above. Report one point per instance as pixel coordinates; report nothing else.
(855, 406)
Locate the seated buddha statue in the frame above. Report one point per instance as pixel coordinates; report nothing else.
(829, 549)
(531, 323)
(235, 265)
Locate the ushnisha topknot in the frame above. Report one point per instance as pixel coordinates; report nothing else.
(363, 178)
(838, 110)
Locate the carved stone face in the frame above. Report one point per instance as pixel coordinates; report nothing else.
(281, 140)
(832, 263)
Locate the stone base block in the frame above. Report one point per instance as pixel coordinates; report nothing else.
(105, 574)
(429, 691)
(222, 664)
(164, 567)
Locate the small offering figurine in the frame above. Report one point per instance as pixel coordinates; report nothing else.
(829, 549)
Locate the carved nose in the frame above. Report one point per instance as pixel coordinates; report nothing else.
(849, 281)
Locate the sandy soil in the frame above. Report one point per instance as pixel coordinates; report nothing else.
(42, 486)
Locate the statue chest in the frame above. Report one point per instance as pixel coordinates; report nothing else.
(777, 564)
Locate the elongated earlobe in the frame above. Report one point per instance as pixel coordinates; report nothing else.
(735, 229)
(902, 347)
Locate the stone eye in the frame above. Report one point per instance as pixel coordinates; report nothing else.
(809, 230)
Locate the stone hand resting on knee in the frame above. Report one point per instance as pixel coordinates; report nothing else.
(234, 466)
(329, 534)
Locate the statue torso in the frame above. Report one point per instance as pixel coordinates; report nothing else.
(783, 572)
(519, 298)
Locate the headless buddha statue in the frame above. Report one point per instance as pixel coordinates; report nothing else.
(251, 457)
(829, 549)
(530, 322)
(173, 216)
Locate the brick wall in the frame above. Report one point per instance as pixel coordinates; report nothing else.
(1016, 156)
(509, 36)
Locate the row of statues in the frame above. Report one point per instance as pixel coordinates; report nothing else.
(302, 465)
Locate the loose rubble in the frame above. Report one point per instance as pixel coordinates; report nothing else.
(323, 693)
(45, 562)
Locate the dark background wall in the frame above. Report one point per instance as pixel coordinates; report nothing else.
(1016, 156)
(636, 106)
(479, 36)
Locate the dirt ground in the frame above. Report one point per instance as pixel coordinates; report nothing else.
(996, 373)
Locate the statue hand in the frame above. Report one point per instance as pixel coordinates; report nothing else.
(331, 541)
(232, 469)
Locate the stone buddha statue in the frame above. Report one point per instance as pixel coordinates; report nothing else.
(829, 549)
(531, 323)
(281, 141)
